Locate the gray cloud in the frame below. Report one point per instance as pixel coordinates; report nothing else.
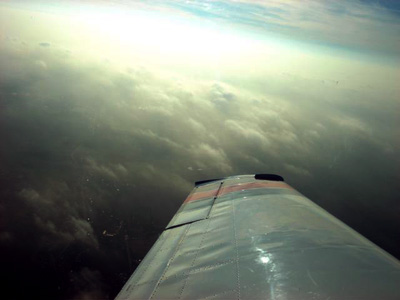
(44, 44)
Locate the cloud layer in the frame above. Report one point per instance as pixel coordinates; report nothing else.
(362, 25)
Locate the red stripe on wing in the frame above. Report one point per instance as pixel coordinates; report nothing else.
(235, 188)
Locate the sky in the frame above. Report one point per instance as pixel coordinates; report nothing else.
(111, 110)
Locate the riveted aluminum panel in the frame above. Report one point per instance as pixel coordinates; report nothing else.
(146, 277)
(263, 240)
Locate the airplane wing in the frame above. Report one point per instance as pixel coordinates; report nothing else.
(255, 237)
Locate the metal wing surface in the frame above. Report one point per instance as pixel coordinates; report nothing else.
(255, 237)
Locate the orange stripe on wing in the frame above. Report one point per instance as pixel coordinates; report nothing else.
(201, 195)
(235, 188)
(253, 185)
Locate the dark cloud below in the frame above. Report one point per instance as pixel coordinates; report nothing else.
(95, 161)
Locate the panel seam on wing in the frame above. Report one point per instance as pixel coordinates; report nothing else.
(170, 261)
(194, 259)
(237, 249)
(215, 199)
(140, 275)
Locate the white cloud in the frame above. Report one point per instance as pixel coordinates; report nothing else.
(246, 133)
(208, 157)
(41, 64)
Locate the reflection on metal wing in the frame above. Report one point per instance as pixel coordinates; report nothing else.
(255, 237)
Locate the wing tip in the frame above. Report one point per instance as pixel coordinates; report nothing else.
(272, 177)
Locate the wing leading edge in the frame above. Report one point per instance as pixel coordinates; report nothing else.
(255, 237)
